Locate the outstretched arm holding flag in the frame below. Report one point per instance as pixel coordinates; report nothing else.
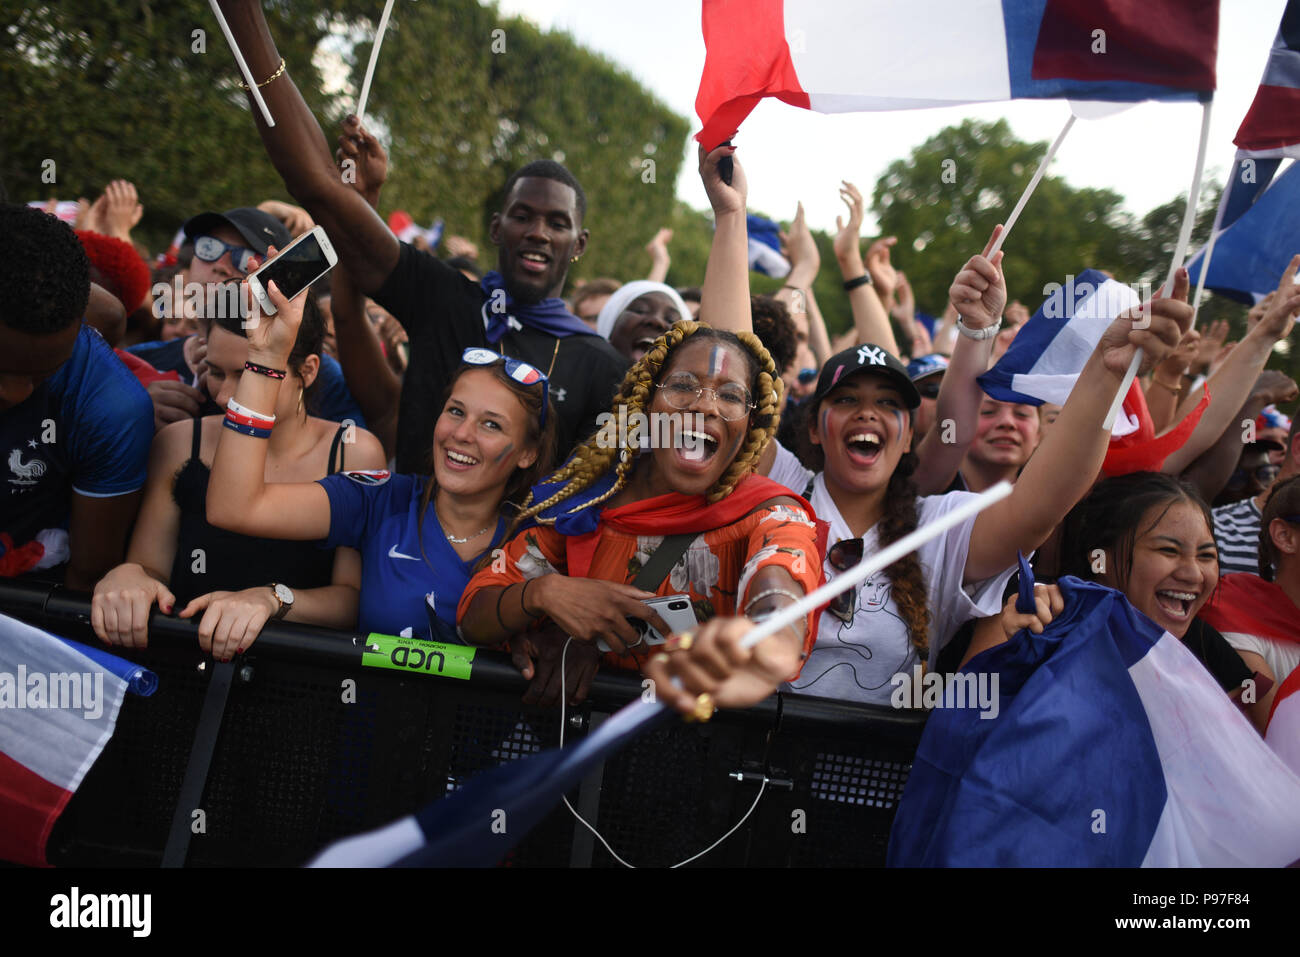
(302, 156)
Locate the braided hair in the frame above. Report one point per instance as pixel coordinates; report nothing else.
(595, 457)
(899, 519)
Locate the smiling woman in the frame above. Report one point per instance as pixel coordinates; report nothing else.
(637, 314)
(419, 537)
(746, 544)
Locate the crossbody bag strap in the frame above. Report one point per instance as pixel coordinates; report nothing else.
(657, 567)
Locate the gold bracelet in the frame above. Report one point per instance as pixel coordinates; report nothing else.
(274, 76)
(1156, 379)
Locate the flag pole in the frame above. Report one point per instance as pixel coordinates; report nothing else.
(1180, 252)
(1209, 251)
(1033, 184)
(374, 58)
(239, 58)
(792, 613)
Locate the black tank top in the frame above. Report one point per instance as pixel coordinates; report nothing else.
(232, 562)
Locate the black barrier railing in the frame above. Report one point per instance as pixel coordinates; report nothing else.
(317, 743)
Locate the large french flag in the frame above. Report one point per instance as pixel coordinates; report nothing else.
(1283, 734)
(1113, 746)
(837, 56)
(51, 734)
(1045, 359)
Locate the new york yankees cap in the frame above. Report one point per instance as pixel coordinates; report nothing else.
(871, 359)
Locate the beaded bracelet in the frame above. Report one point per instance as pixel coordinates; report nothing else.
(264, 370)
(246, 429)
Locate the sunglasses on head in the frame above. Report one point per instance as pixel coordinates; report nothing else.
(807, 375)
(210, 249)
(843, 556)
(521, 372)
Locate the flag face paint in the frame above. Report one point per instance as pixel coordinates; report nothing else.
(898, 419)
(510, 447)
(717, 361)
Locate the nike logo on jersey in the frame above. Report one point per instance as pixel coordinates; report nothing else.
(394, 553)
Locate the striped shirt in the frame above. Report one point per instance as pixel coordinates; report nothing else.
(1236, 531)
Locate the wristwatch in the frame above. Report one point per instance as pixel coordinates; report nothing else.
(284, 595)
(988, 332)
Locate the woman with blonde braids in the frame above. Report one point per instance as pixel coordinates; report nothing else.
(710, 401)
(859, 430)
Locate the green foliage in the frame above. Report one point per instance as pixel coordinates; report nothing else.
(111, 90)
(115, 89)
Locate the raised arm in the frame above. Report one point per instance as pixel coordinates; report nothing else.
(298, 149)
(1234, 379)
(797, 293)
(1063, 468)
(724, 298)
(979, 293)
(239, 497)
(660, 259)
(869, 316)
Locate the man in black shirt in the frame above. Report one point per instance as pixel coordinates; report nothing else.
(538, 232)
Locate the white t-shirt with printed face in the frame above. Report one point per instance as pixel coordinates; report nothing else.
(856, 660)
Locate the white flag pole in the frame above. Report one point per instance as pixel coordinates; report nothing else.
(239, 58)
(1033, 184)
(374, 58)
(1180, 252)
(1209, 250)
(883, 559)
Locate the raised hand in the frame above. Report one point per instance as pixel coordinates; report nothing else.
(1211, 343)
(1274, 387)
(848, 234)
(1155, 327)
(362, 160)
(1048, 603)
(271, 338)
(1279, 318)
(801, 249)
(296, 219)
(883, 275)
(905, 307)
(122, 209)
(1257, 311)
(723, 198)
(979, 291)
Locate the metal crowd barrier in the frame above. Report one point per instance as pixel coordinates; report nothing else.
(316, 743)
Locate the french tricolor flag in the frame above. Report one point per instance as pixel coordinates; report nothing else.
(838, 56)
(1045, 359)
(59, 703)
(1113, 746)
(1283, 734)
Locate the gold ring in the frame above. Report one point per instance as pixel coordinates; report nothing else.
(680, 642)
(703, 708)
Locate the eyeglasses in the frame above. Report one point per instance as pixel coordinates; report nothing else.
(843, 556)
(681, 390)
(521, 372)
(210, 249)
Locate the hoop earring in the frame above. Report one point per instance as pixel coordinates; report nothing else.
(575, 259)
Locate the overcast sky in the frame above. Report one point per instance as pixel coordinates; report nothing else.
(1145, 154)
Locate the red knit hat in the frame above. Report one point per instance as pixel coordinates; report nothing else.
(125, 273)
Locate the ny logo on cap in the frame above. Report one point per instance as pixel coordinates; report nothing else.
(872, 354)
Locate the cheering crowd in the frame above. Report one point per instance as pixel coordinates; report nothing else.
(557, 464)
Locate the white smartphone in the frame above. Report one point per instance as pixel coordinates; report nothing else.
(294, 268)
(676, 611)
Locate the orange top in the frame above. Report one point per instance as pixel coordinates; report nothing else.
(717, 566)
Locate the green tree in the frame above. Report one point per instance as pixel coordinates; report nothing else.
(944, 200)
